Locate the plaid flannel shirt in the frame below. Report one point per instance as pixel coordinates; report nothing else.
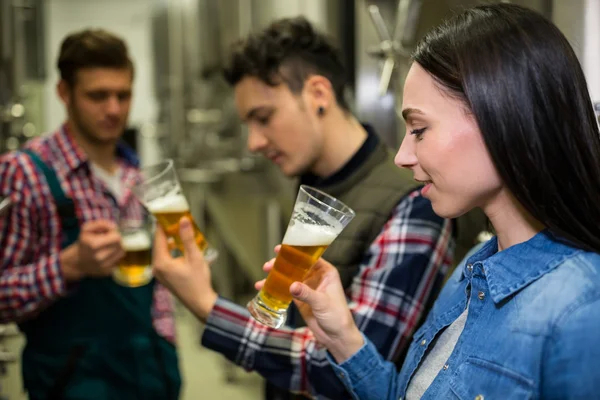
(30, 234)
(403, 270)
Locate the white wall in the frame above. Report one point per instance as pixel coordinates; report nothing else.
(579, 22)
(591, 46)
(129, 19)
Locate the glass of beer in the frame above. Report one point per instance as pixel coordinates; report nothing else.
(135, 269)
(315, 223)
(160, 192)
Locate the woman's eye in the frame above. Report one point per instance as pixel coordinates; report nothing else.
(418, 132)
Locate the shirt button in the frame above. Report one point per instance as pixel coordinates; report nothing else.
(479, 397)
(341, 375)
(481, 295)
(423, 342)
(470, 267)
(446, 367)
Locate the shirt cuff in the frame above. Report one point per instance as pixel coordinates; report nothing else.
(225, 329)
(51, 271)
(358, 366)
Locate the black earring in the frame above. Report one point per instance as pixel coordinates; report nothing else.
(321, 111)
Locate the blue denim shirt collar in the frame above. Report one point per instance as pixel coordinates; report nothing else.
(514, 268)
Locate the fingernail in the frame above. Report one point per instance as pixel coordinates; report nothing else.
(185, 222)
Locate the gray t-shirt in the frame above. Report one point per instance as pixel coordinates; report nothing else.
(436, 359)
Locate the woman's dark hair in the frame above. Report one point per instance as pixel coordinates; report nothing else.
(288, 51)
(522, 81)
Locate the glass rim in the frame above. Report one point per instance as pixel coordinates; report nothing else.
(133, 228)
(346, 210)
(169, 163)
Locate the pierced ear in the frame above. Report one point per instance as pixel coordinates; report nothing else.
(321, 90)
(321, 111)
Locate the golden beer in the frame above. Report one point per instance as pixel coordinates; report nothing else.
(291, 265)
(135, 268)
(302, 246)
(168, 211)
(316, 221)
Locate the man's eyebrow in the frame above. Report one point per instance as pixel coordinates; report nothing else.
(253, 111)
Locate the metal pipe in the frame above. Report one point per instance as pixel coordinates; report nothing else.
(176, 117)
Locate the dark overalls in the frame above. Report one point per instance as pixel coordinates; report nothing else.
(99, 341)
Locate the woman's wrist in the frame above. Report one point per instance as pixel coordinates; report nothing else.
(347, 345)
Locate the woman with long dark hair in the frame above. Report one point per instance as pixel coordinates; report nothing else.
(499, 117)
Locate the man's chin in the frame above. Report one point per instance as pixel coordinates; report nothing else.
(287, 170)
(291, 171)
(108, 137)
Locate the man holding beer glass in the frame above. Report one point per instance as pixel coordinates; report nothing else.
(161, 194)
(97, 327)
(289, 89)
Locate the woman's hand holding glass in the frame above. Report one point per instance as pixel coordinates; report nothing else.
(322, 302)
(320, 298)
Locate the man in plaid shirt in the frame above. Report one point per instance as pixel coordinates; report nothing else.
(87, 337)
(393, 257)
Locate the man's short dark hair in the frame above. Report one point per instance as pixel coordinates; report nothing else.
(91, 48)
(288, 51)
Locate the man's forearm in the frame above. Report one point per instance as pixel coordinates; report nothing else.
(25, 289)
(201, 305)
(288, 358)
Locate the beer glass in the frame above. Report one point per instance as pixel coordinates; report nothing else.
(316, 221)
(135, 268)
(160, 192)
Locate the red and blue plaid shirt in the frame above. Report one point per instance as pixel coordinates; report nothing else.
(30, 234)
(403, 272)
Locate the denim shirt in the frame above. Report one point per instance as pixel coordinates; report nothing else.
(533, 329)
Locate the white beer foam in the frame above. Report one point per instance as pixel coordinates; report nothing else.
(307, 234)
(136, 241)
(172, 203)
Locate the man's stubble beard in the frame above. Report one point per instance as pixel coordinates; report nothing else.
(85, 131)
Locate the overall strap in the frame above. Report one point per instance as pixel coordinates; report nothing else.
(70, 228)
(64, 204)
